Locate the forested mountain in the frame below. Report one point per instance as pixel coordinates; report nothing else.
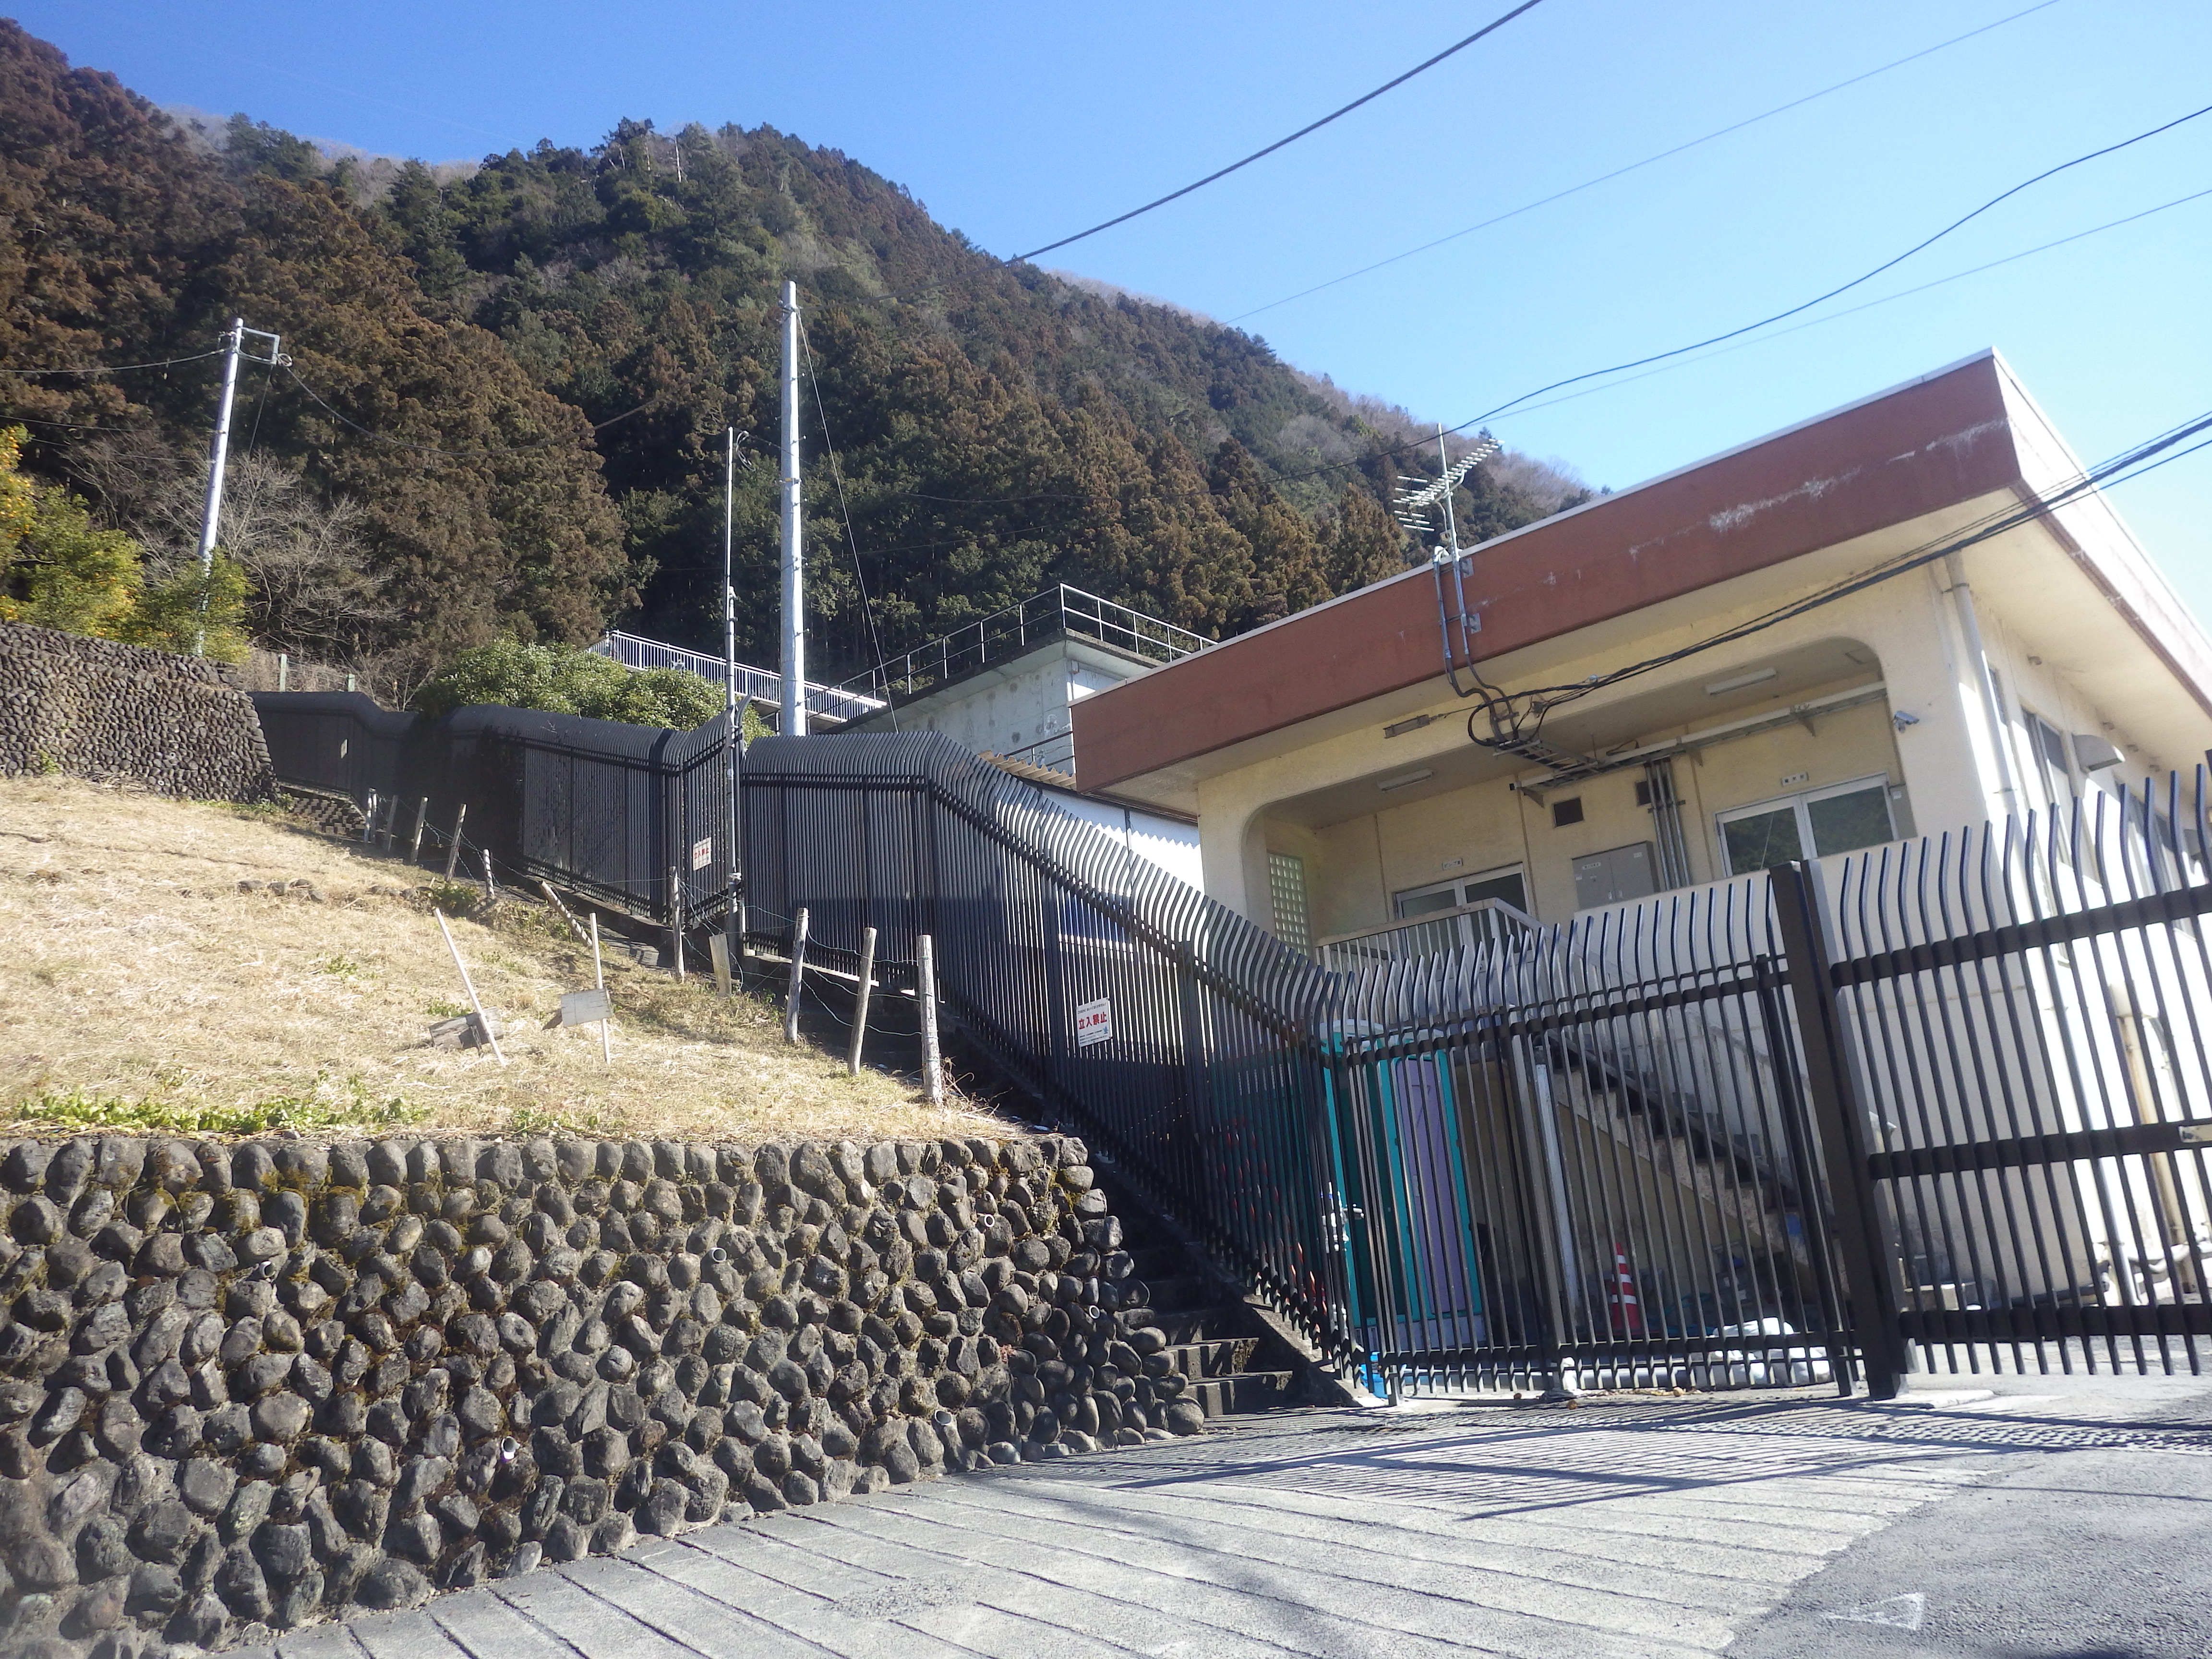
(508, 390)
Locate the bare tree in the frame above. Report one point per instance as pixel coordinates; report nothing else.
(313, 594)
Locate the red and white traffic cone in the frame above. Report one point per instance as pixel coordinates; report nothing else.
(1625, 1308)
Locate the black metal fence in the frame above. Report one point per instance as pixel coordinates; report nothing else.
(1945, 1103)
(632, 815)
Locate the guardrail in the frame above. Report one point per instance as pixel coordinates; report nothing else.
(761, 685)
(1061, 612)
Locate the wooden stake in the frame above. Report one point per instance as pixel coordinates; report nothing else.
(484, 1020)
(600, 979)
(718, 949)
(933, 1063)
(422, 817)
(491, 887)
(798, 977)
(676, 920)
(861, 999)
(454, 846)
(577, 928)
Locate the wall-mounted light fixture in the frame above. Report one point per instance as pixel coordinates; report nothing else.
(1737, 682)
(1405, 778)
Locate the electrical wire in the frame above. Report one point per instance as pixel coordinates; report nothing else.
(1649, 161)
(859, 576)
(1517, 718)
(431, 449)
(121, 369)
(1490, 27)
(1843, 288)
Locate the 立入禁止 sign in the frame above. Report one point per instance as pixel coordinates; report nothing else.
(1094, 1021)
(702, 852)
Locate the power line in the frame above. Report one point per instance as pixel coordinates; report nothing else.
(119, 368)
(1845, 287)
(859, 576)
(1313, 126)
(1649, 161)
(1516, 719)
(431, 449)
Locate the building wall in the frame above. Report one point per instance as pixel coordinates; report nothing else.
(1009, 709)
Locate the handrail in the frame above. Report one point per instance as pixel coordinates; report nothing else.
(763, 685)
(1058, 613)
(1430, 933)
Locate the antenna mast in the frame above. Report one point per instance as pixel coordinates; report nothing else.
(795, 592)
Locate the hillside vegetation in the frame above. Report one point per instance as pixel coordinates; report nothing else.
(512, 388)
(142, 988)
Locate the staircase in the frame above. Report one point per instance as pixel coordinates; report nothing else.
(1233, 1361)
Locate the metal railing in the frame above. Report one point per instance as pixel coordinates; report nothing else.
(1466, 927)
(1061, 612)
(1715, 1139)
(761, 685)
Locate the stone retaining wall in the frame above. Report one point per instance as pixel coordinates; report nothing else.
(95, 709)
(243, 1387)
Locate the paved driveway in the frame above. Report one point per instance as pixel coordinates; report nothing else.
(1622, 1531)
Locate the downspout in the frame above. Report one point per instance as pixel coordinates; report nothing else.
(1962, 596)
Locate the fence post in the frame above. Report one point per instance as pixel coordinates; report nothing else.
(798, 977)
(1864, 1236)
(861, 999)
(933, 1064)
(422, 817)
(676, 920)
(454, 846)
(368, 820)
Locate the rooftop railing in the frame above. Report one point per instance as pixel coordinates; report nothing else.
(1061, 612)
(761, 685)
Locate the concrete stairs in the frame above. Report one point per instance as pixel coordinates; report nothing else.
(1233, 1362)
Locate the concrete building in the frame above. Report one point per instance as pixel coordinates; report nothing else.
(1813, 682)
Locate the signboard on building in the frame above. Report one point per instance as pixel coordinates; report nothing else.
(702, 852)
(1094, 1021)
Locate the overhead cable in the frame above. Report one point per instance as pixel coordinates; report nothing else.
(1843, 288)
(1311, 127)
(1650, 160)
(1516, 718)
(119, 369)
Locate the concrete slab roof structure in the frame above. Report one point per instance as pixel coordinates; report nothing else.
(1284, 728)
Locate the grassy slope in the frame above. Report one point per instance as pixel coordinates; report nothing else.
(139, 987)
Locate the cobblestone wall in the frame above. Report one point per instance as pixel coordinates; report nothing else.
(246, 1386)
(97, 709)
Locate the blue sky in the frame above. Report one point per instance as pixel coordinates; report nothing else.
(1019, 124)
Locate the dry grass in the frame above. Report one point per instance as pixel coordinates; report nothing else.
(140, 988)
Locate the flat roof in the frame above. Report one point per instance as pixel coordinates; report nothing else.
(1936, 441)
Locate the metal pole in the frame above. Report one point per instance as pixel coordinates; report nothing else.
(733, 861)
(599, 980)
(422, 817)
(1866, 1237)
(218, 458)
(794, 590)
(933, 1064)
(483, 1019)
(861, 999)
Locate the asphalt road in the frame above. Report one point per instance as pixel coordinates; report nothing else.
(2087, 1551)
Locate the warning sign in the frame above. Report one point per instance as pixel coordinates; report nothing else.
(1094, 1021)
(702, 852)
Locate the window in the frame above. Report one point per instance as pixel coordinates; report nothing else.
(1286, 892)
(1504, 884)
(1815, 823)
(1567, 812)
(2048, 744)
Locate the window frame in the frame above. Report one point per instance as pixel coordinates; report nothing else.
(1458, 886)
(1800, 801)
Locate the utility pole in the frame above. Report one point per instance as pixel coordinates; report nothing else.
(733, 736)
(218, 454)
(794, 590)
